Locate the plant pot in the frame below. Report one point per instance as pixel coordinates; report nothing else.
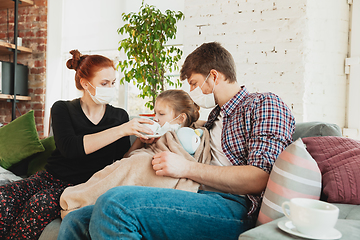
(147, 115)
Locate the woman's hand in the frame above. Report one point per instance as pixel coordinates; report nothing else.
(170, 164)
(96, 141)
(136, 127)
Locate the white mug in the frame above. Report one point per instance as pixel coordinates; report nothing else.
(154, 127)
(311, 217)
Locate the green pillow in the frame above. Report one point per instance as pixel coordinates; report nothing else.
(39, 160)
(18, 140)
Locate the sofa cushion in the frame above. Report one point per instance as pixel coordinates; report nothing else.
(19, 139)
(7, 177)
(35, 162)
(21, 168)
(339, 161)
(294, 174)
(51, 231)
(316, 129)
(39, 160)
(348, 211)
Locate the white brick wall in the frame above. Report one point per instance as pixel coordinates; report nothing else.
(326, 47)
(295, 49)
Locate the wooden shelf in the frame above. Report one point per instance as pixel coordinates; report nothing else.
(5, 48)
(9, 48)
(4, 4)
(10, 97)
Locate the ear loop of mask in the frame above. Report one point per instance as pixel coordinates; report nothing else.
(214, 84)
(92, 87)
(176, 118)
(205, 81)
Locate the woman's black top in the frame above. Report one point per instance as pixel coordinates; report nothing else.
(69, 161)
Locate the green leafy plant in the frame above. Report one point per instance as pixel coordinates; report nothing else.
(150, 61)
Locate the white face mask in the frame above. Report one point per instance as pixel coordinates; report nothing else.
(168, 127)
(201, 99)
(103, 95)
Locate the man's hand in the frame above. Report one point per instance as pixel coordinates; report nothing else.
(232, 179)
(170, 165)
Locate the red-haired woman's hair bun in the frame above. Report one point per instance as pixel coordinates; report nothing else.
(74, 62)
(86, 66)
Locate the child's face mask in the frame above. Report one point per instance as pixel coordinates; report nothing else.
(168, 127)
(161, 130)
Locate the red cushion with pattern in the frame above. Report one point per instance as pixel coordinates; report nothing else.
(339, 161)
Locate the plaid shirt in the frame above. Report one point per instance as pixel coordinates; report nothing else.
(256, 129)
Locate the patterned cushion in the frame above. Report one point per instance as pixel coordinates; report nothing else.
(294, 174)
(339, 161)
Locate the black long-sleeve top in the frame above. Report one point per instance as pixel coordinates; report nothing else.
(69, 162)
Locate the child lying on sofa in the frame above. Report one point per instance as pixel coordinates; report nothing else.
(173, 109)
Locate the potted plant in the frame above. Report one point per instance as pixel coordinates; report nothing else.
(150, 61)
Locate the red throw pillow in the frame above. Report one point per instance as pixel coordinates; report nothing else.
(339, 161)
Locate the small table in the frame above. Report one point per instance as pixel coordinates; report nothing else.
(350, 230)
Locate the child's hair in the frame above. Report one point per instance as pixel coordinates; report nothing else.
(87, 65)
(207, 57)
(181, 102)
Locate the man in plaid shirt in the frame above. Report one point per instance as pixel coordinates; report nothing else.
(248, 131)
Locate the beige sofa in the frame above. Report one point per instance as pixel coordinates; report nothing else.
(349, 219)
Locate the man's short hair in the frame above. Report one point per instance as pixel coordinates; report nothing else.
(206, 57)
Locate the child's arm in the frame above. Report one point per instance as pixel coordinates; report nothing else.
(136, 145)
(139, 143)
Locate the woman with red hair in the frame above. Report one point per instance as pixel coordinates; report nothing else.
(89, 135)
